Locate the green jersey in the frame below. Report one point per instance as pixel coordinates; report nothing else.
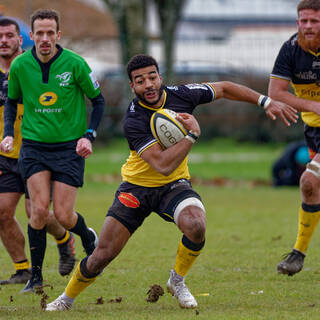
(53, 95)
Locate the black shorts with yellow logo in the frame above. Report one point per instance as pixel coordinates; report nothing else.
(10, 178)
(133, 203)
(312, 137)
(61, 159)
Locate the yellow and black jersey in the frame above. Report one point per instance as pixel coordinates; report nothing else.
(17, 132)
(136, 124)
(302, 68)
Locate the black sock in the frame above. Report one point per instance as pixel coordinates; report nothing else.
(84, 233)
(38, 243)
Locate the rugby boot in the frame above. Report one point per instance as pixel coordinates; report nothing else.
(67, 256)
(178, 289)
(89, 247)
(58, 305)
(21, 276)
(34, 283)
(292, 263)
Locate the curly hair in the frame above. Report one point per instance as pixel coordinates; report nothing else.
(140, 61)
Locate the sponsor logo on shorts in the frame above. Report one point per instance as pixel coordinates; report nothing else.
(48, 99)
(129, 200)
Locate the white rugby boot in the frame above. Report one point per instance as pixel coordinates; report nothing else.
(60, 304)
(178, 289)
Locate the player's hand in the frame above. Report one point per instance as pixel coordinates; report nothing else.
(84, 148)
(6, 144)
(285, 112)
(189, 122)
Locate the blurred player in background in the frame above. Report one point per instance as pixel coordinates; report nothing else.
(54, 130)
(287, 170)
(11, 183)
(158, 180)
(298, 63)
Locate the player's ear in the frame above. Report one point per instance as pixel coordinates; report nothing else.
(58, 35)
(31, 35)
(131, 86)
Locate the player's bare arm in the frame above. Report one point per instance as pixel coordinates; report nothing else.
(233, 91)
(278, 90)
(166, 161)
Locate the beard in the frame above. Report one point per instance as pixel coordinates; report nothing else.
(144, 101)
(15, 50)
(307, 45)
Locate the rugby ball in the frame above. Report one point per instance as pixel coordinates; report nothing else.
(166, 128)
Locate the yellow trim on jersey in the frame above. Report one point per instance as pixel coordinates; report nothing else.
(139, 172)
(150, 145)
(212, 87)
(2, 70)
(167, 215)
(313, 53)
(155, 109)
(17, 132)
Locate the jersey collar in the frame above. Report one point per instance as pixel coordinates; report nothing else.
(155, 109)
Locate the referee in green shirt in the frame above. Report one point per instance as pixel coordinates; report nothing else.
(53, 83)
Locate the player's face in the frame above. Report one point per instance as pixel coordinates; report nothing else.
(309, 28)
(45, 36)
(10, 41)
(147, 85)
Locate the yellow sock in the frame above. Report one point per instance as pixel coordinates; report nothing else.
(307, 224)
(184, 259)
(22, 265)
(64, 239)
(77, 283)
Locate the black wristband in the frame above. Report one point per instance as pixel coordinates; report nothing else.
(90, 135)
(192, 135)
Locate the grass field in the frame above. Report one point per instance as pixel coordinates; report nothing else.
(249, 227)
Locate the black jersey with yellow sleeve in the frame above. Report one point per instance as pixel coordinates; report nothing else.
(302, 69)
(136, 125)
(14, 153)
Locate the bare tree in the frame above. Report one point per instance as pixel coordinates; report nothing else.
(132, 23)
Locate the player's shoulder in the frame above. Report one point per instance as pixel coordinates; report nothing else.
(73, 56)
(292, 42)
(21, 58)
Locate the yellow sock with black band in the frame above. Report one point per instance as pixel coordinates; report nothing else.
(64, 239)
(80, 280)
(22, 265)
(187, 253)
(309, 216)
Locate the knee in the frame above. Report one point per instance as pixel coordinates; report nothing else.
(192, 222)
(6, 217)
(309, 186)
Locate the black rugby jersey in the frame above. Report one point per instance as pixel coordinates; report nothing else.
(136, 125)
(302, 69)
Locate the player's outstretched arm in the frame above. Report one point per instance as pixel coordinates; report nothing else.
(233, 91)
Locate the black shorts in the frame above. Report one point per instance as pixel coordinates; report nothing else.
(133, 203)
(60, 159)
(312, 137)
(10, 178)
